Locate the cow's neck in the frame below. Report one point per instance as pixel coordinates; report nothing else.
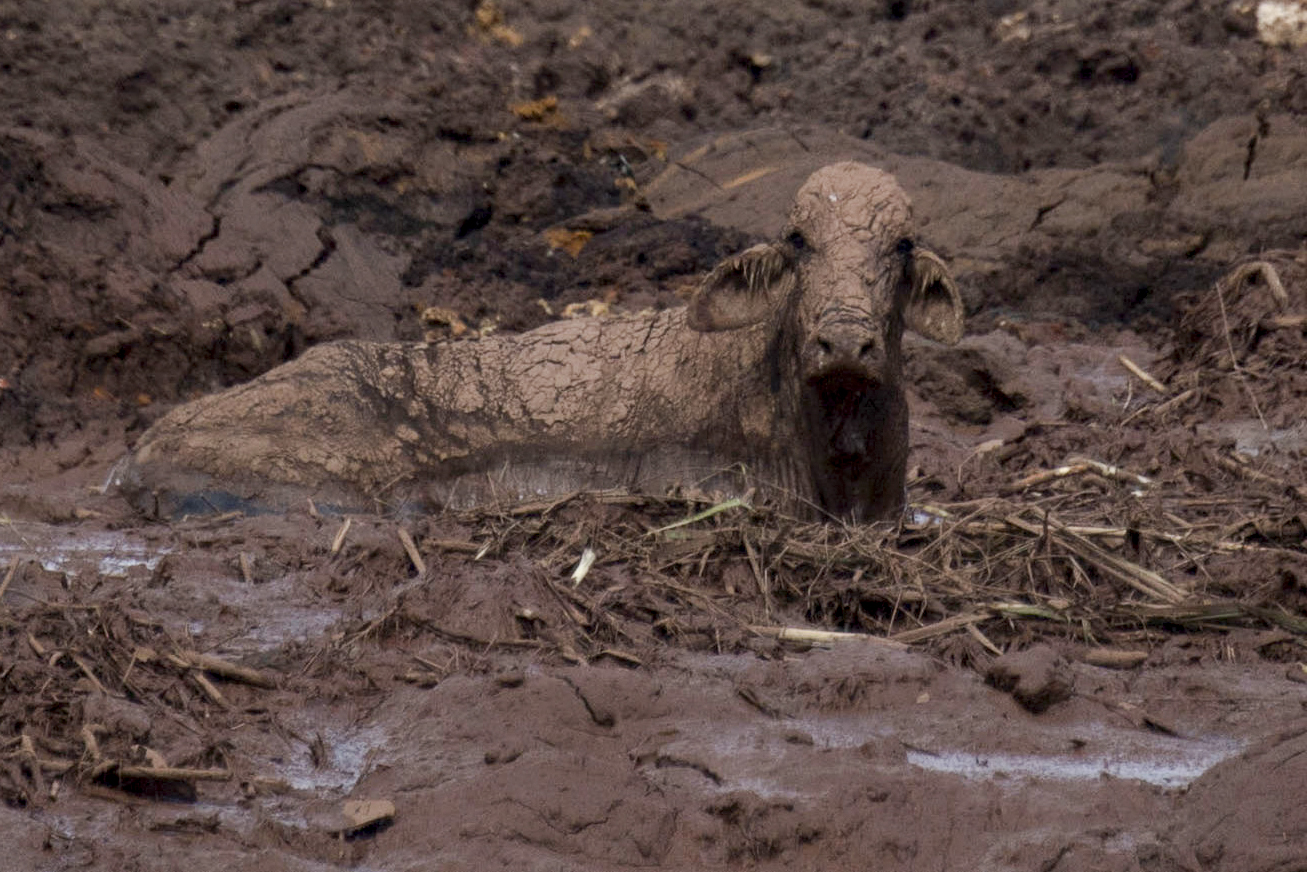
(854, 438)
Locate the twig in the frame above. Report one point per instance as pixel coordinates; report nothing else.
(89, 739)
(208, 688)
(803, 634)
(411, 547)
(1111, 658)
(456, 545)
(1233, 465)
(86, 668)
(1140, 374)
(1107, 470)
(247, 571)
(1045, 475)
(567, 607)
(759, 575)
(1178, 400)
(473, 641)
(224, 668)
(974, 632)
(9, 576)
(939, 628)
(337, 542)
(620, 656)
(1078, 466)
(163, 773)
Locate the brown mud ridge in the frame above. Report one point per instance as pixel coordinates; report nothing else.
(1083, 646)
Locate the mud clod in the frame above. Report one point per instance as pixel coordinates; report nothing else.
(1038, 677)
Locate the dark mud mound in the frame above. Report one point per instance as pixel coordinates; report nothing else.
(85, 241)
(998, 86)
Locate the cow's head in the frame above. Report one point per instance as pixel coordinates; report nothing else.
(840, 286)
(849, 272)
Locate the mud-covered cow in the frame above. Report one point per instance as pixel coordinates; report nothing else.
(784, 369)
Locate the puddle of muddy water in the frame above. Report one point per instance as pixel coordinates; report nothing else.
(71, 552)
(351, 752)
(1166, 761)
(1168, 772)
(753, 759)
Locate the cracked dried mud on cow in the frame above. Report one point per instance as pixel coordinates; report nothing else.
(785, 371)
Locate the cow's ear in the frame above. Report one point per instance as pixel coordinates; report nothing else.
(741, 290)
(934, 308)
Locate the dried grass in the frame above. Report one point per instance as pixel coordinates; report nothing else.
(1051, 558)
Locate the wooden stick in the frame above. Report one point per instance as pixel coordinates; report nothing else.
(52, 765)
(1078, 466)
(1045, 475)
(803, 634)
(974, 632)
(473, 641)
(225, 669)
(1140, 374)
(247, 571)
(620, 656)
(28, 753)
(92, 744)
(208, 689)
(1107, 470)
(759, 576)
(411, 547)
(1234, 358)
(1112, 658)
(9, 576)
(939, 628)
(1178, 400)
(168, 773)
(86, 668)
(1235, 466)
(456, 545)
(339, 541)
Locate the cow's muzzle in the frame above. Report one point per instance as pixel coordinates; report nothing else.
(845, 347)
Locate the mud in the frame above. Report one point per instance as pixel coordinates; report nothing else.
(191, 194)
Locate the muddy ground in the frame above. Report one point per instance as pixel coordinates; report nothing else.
(1082, 648)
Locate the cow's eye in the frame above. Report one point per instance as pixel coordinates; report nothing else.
(905, 246)
(797, 240)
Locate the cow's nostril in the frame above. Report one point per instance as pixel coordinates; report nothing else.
(866, 349)
(824, 346)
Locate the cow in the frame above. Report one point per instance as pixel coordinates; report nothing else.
(784, 371)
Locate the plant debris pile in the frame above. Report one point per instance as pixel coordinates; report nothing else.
(1241, 346)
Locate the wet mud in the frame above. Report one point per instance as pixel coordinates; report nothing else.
(1082, 647)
